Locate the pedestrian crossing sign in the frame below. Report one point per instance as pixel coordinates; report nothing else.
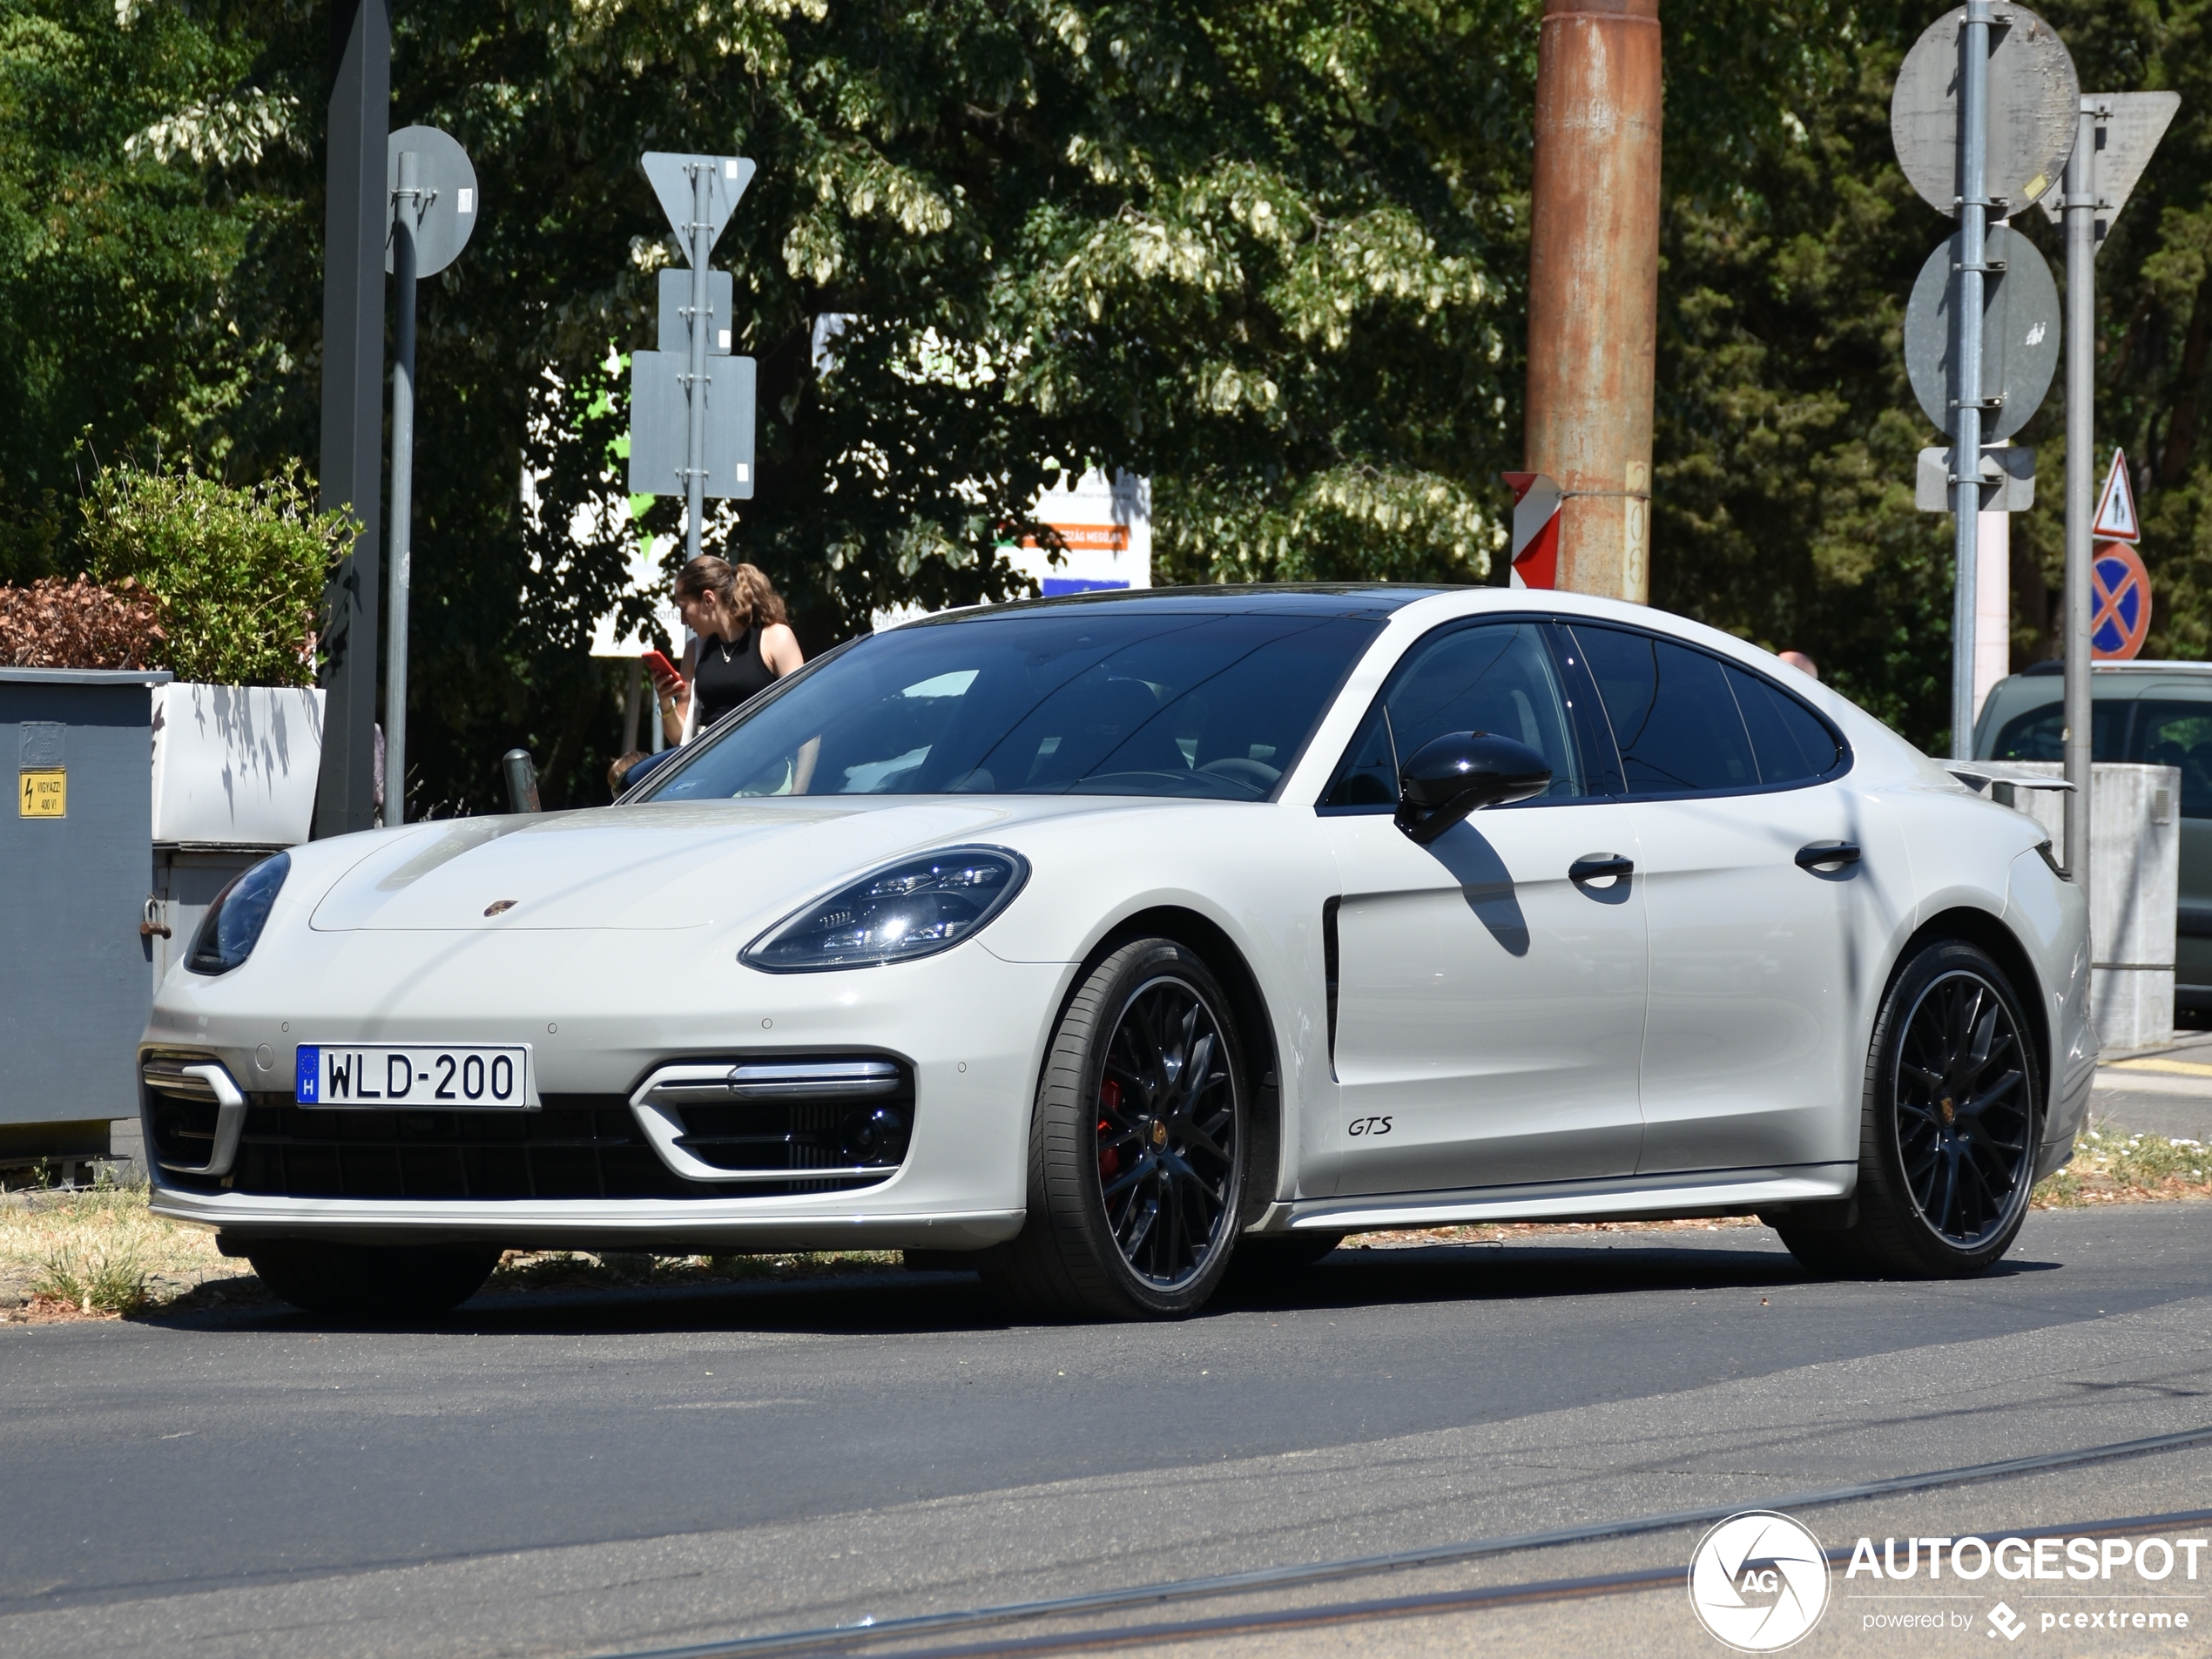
(2116, 519)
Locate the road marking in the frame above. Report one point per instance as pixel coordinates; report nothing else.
(2180, 1068)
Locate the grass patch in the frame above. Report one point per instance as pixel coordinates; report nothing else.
(2111, 1166)
(97, 1252)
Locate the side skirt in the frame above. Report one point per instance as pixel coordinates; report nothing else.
(1698, 1193)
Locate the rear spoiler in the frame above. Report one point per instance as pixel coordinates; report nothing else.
(2000, 779)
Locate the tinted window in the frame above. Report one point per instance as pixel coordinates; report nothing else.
(1490, 677)
(1791, 744)
(2173, 733)
(1047, 701)
(2040, 734)
(1673, 717)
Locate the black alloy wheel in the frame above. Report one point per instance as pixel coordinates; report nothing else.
(1137, 1148)
(1965, 1117)
(1167, 1132)
(1953, 1106)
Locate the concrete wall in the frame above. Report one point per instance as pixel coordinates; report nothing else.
(2134, 888)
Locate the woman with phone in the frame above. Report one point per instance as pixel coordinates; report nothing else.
(742, 645)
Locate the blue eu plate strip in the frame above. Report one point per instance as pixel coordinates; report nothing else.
(310, 1074)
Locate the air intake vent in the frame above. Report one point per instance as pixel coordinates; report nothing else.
(850, 1118)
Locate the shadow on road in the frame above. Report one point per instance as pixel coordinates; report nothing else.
(899, 1303)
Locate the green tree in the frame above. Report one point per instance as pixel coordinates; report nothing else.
(123, 128)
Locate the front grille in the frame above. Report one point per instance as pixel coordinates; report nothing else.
(853, 1127)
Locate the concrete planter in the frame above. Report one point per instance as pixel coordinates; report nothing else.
(235, 765)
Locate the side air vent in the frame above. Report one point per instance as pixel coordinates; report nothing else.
(842, 1121)
(194, 1113)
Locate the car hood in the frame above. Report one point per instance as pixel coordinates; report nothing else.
(652, 866)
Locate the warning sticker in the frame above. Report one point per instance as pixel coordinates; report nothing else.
(44, 793)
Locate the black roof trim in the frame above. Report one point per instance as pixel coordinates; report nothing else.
(1323, 598)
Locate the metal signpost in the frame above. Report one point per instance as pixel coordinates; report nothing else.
(433, 195)
(1988, 114)
(1982, 120)
(691, 402)
(2115, 133)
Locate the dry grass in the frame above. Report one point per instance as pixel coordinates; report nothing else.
(98, 1253)
(2110, 1166)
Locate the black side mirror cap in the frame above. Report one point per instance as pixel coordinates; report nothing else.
(1461, 772)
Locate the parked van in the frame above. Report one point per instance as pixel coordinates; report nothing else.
(2156, 713)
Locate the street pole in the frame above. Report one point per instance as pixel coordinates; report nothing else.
(2080, 484)
(406, 203)
(353, 395)
(1965, 427)
(1593, 286)
(695, 463)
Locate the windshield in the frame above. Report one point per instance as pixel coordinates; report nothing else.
(1055, 701)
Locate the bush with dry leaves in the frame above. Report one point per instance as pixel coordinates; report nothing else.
(56, 624)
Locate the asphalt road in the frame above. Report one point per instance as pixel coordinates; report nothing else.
(610, 1472)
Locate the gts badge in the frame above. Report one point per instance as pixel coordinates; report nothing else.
(1369, 1126)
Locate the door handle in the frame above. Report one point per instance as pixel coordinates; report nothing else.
(1599, 866)
(1814, 855)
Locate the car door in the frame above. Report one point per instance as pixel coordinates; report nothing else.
(1489, 989)
(2173, 728)
(1753, 1052)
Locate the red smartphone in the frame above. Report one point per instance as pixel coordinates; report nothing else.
(659, 667)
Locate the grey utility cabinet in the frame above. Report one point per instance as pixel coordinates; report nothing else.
(76, 854)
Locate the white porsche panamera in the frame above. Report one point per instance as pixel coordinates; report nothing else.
(1114, 939)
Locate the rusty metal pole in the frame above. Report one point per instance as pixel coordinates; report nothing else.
(1594, 285)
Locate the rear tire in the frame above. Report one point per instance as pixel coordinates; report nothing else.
(372, 1281)
(1137, 1147)
(1953, 1105)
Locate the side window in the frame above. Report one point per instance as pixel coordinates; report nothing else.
(1673, 715)
(1495, 676)
(1791, 744)
(2039, 734)
(2173, 733)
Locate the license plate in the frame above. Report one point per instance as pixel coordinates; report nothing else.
(420, 1076)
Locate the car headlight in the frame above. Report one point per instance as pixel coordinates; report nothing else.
(915, 907)
(234, 923)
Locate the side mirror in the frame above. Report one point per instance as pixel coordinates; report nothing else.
(1461, 772)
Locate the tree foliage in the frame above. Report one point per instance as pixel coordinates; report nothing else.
(1271, 252)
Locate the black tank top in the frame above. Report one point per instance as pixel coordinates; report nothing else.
(726, 675)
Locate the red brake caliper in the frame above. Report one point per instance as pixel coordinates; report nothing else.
(1109, 1158)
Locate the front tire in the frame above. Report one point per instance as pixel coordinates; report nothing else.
(1952, 1107)
(1137, 1147)
(371, 1281)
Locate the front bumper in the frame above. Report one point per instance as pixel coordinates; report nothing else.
(967, 1026)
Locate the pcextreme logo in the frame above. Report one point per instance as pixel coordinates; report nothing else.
(1758, 1582)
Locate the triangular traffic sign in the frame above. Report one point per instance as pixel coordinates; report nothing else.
(2128, 125)
(2116, 520)
(670, 174)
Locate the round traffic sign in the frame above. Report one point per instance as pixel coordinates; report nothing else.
(448, 182)
(2019, 334)
(2035, 109)
(2120, 595)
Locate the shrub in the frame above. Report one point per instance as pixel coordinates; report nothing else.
(53, 624)
(238, 573)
